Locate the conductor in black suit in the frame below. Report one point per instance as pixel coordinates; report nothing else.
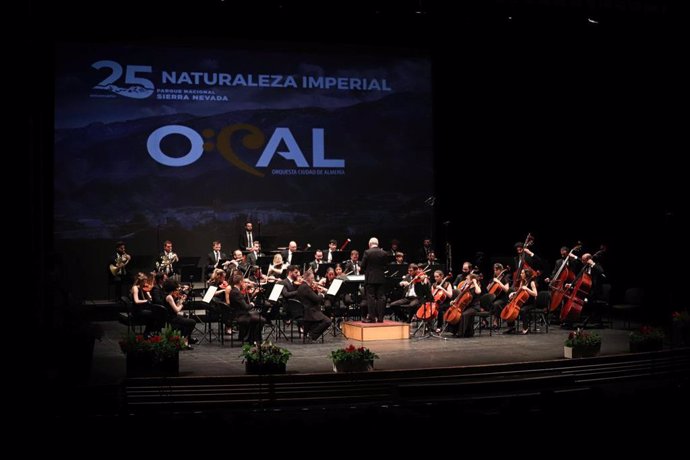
(373, 265)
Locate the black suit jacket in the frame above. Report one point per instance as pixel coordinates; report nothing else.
(312, 303)
(290, 289)
(244, 241)
(238, 304)
(285, 257)
(211, 262)
(373, 266)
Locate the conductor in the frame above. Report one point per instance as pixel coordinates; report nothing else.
(373, 265)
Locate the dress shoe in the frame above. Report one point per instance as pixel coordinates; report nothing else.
(367, 320)
(380, 320)
(193, 340)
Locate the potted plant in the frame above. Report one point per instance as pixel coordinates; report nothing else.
(265, 358)
(680, 329)
(582, 344)
(352, 359)
(647, 338)
(156, 356)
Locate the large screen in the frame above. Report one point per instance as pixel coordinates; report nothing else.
(156, 143)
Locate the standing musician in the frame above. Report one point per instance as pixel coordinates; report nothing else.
(141, 297)
(315, 322)
(596, 273)
(526, 283)
(247, 237)
(118, 268)
(416, 286)
(442, 292)
(465, 327)
(168, 260)
(573, 263)
(214, 258)
(525, 258)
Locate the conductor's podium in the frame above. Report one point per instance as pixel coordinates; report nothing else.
(388, 330)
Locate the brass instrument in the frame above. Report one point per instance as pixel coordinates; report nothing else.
(165, 265)
(120, 261)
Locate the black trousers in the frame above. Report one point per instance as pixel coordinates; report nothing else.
(376, 300)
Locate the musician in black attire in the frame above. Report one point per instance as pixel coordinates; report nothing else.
(416, 290)
(247, 237)
(596, 273)
(499, 299)
(465, 328)
(174, 302)
(250, 322)
(525, 258)
(117, 268)
(373, 265)
(466, 270)
(214, 257)
(315, 322)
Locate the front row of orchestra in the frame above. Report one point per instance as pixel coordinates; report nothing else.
(160, 300)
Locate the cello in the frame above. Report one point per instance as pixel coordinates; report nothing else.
(512, 310)
(454, 313)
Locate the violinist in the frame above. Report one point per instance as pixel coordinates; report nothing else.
(174, 302)
(526, 283)
(330, 302)
(315, 322)
(141, 298)
(465, 327)
(157, 295)
(442, 291)
(416, 290)
(292, 282)
(222, 294)
(250, 322)
(278, 269)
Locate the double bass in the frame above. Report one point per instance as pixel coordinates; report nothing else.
(563, 275)
(576, 296)
(521, 264)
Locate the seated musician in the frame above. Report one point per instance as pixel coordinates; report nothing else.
(174, 300)
(466, 270)
(315, 322)
(254, 254)
(353, 265)
(416, 290)
(465, 328)
(528, 284)
(219, 280)
(250, 322)
(239, 263)
(278, 269)
(330, 302)
(318, 260)
(256, 291)
(500, 287)
(442, 292)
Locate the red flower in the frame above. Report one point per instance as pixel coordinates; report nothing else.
(350, 348)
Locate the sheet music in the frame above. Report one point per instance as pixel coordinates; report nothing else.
(355, 277)
(275, 293)
(335, 285)
(210, 292)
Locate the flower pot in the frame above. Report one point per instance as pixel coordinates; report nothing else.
(140, 364)
(581, 351)
(646, 345)
(255, 367)
(353, 366)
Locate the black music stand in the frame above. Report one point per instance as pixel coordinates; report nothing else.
(321, 272)
(351, 286)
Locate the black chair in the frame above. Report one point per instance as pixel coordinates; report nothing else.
(539, 314)
(603, 305)
(485, 305)
(294, 312)
(632, 301)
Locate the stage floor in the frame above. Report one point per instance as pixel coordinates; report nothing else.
(212, 359)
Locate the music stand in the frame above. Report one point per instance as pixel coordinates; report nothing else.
(323, 268)
(333, 291)
(264, 262)
(351, 286)
(427, 329)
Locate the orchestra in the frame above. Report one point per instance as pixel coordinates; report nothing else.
(511, 290)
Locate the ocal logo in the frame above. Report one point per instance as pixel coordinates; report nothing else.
(253, 138)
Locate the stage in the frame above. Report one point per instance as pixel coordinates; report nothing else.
(214, 359)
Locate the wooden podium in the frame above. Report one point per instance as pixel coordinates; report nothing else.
(388, 330)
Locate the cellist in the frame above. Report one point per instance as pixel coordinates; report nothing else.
(442, 292)
(499, 288)
(527, 284)
(471, 285)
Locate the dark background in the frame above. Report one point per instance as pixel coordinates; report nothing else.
(562, 119)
